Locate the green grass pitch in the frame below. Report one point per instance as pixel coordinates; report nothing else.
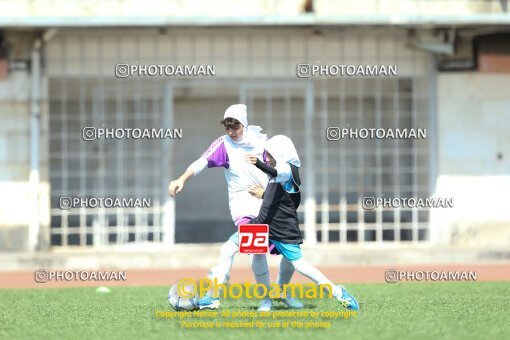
(446, 310)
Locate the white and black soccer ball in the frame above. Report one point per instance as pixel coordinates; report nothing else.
(183, 296)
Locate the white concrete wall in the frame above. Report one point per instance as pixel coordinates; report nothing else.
(15, 189)
(473, 159)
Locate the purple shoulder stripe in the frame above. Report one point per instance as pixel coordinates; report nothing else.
(216, 154)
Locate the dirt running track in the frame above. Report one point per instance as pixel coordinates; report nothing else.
(341, 274)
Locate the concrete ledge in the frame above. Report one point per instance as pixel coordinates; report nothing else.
(404, 20)
(206, 256)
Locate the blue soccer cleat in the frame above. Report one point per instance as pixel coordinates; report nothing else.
(208, 302)
(347, 300)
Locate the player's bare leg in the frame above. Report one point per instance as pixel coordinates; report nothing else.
(339, 292)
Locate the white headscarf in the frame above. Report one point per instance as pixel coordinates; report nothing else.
(239, 112)
(251, 133)
(283, 151)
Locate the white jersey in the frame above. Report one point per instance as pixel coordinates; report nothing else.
(239, 174)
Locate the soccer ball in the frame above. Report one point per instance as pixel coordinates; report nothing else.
(183, 296)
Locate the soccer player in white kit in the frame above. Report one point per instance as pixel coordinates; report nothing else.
(229, 151)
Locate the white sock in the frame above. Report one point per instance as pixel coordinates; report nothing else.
(228, 250)
(286, 271)
(261, 270)
(285, 274)
(314, 274)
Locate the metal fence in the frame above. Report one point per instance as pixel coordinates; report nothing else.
(257, 67)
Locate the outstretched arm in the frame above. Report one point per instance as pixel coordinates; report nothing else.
(215, 156)
(176, 186)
